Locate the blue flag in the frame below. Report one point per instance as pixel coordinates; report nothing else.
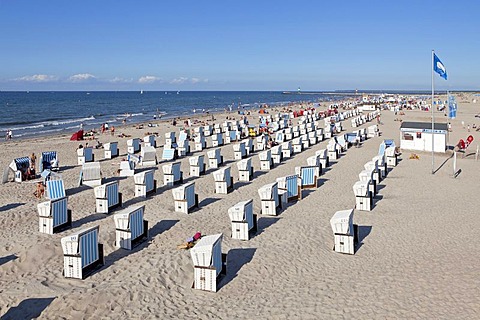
(438, 67)
(452, 107)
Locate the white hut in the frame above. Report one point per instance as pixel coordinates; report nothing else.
(418, 136)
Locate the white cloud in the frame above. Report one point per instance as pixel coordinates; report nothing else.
(182, 80)
(81, 77)
(120, 80)
(179, 80)
(148, 79)
(37, 78)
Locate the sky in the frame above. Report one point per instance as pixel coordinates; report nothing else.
(237, 45)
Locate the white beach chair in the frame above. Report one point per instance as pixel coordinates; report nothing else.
(373, 166)
(215, 159)
(314, 161)
(305, 141)
(262, 142)
(90, 174)
(363, 196)
(110, 150)
(291, 184)
(145, 184)
(232, 136)
(296, 131)
(245, 170)
(223, 180)
(279, 137)
(200, 142)
(287, 149)
(297, 145)
(277, 154)
(332, 150)
(208, 262)
(312, 137)
(270, 199)
(207, 130)
(148, 156)
(172, 173)
(266, 162)
(149, 141)
(133, 145)
(320, 135)
(288, 133)
(308, 176)
(130, 227)
(185, 197)
(85, 155)
(249, 146)
(170, 140)
(217, 139)
(107, 197)
(323, 157)
(82, 254)
(183, 147)
(391, 157)
(382, 165)
(127, 168)
(239, 151)
(244, 222)
(367, 175)
(372, 131)
(345, 233)
(54, 215)
(197, 165)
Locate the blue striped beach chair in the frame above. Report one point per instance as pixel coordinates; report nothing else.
(107, 197)
(315, 162)
(19, 166)
(145, 184)
(49, 160)
(291, 184)
(90, 174)
(308, 176)
(82, 254)
(130, 227)
(185, 197)
(54, 189)
(54, 215)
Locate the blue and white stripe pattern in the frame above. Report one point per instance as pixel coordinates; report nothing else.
(190, 195)
(308, 176)
(47, 158)
(89, 247)
(149, 180)
(22, 162)
(112, 194)
(292, 186)
(59, 211)
(135, 223)
(55, 189)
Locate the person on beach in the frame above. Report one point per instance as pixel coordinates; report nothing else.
(31, 166)
(9, 134)
(39, 190)
(112, 130)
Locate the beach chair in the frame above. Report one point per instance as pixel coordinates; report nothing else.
(107, 197)
(172, 174)
(297, 145)
(200, 142)
(149, 141)
(277, 154)
(338, 127)
(312, 137)
(82, 254)
(287, 149)
(48, 161)
(269, 197)
(249, 146)
(133, 145)
(367, 175)
(342, 142)
(198, 130)
(207, 130)
(288, 133)
(214, 158)
(345, 233)
(185, 197)
(328, 133)
(54, 188)
(217, 139)
(372, 131)
(314, 161)
(170, 140)
(239, 151)
(363, 196)
(127, 168)
(197, 165)
(305, 141)
(320, 135)
(291, 184)
(308, 176)
(90, 174)
(183, 147)
(130, 227)
(354, 122)
(244, 222)
(54, 215)
(169, 154)
(245, 170)
(373, 166)
(223, 180)
(279, 137)
(85, 155)
(382, 165)
(145, 184)
(266, 162)
(332, 149)
(148, 156)
(391, 156)
(111, 150)
(262, 142)
(209, 264)
(232, 136)
(323, 157)
(296, 131)
(302, 127)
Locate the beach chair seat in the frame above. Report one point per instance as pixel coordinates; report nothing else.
(308, 176)
(183, 146)
(232, 136)
(382, 165)
(245, 170)
(172, 173)
(145, 183)
(291, 184)
(133, 145)
(270, 200)
(48, 161)
(111, 150)
(297, 145)
(305, 141)
(239, 151)
(249, 146)
(345, 233)
(85, 155)
(373, 166)
(312, 137)
(322, 155)
(200, 142)
(266, 162)
(319, 134)
(107, 197)
(332, 150)
(314, 161)
(207, 130)
(149, 141)
(185, 197)
(277, 154)
(262, 142)
(287, 149)
(215, 159)
(54, 216)
(130, 227)
(209, 264)
(279, 137)
(363, 196)
(170, 139)
(20, 166)
(82, 254)
(223, 180)
(148, 156)
(197, 165)
(391, 156)
(90, 174)
(127, 168)
(368, 175)
(244, 222)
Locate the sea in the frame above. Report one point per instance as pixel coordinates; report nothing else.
(36, 113)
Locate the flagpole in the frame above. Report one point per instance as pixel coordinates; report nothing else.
(433, 115)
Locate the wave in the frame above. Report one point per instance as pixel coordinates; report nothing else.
(44, 124)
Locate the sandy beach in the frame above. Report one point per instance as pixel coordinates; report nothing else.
(418, 256)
